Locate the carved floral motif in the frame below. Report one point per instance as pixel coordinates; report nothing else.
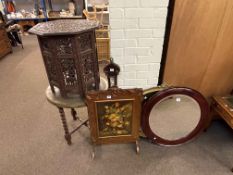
(69, 55)
(69, 71)
(64, 47)
(88, 70)
(114, 93)
(51, 69)
(85, 41)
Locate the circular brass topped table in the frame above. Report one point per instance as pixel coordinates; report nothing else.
(72, 102)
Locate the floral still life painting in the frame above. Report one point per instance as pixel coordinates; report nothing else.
(115, 118)
(114, 115)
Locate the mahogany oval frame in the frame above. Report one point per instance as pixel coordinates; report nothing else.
(156, 97)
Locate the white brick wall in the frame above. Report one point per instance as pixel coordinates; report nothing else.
(137, 36)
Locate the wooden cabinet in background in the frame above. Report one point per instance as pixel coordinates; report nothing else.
(223, 107)
(200, 47)
(5, 46)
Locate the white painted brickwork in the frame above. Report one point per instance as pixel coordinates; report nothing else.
(137, 36)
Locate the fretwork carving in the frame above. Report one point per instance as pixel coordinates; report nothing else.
(85, 41)
(64, 46)
(69, 71)
(70, 57)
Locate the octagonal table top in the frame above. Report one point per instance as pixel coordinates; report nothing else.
(63, 27)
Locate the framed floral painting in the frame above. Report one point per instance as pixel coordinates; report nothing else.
(114, 115)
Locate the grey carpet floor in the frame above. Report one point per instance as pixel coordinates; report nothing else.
(32, 143)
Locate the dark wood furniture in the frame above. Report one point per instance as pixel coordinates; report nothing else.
(114, 115)
(75, 102)
(71, 103)
(111, 71)
(12, 30)
(69, 51)
(4, 41)
(155, 96)
(224, 109)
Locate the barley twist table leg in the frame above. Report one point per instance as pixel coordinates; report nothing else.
(74, 113)
(52, 89)
(65, 126)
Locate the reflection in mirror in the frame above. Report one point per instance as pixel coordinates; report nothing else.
(174, 117)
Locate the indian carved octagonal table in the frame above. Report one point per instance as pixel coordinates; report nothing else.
(68, 49)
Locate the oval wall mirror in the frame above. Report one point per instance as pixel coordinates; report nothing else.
(174, 115)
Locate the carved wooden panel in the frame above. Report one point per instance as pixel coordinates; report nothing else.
(71, 61)
(4, 42)
(64, 46)
(52, 71)
(88, 71)
(85, 41)
(69, 71)
(49, 60)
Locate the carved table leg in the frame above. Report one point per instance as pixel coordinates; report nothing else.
(87, 124)
(74, 113)
(52, 89)
(137, 147)
(64, 123)
(75, 117)
(93, 151)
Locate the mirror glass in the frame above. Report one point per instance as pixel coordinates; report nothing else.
(174, 117)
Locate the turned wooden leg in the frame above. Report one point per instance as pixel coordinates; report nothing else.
(65, 126)
(93, 150)
(74, 113)
(52, 89)
(137, 147)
